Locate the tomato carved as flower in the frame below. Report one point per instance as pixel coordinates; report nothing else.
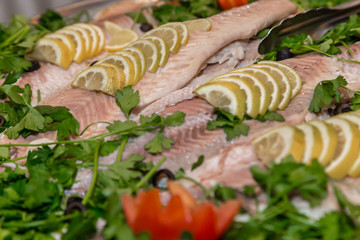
(145, 213)
(228, 4)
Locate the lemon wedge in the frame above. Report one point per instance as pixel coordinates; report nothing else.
(354, 118)
(87, 39)
(141, 57)
(201, 24)
(119, 37)
(293, 76)
(329, 139)
(135, 62)
(53, 51)
(101, 36)
(125, 63)
(283, 82)
(163, 49)
(151, 53)
(79, 42)
(270, 83)
(106, 78)
(347, 150)
(264, 92)
(170, 36)
(252, 94)
(224, 95)
(278, 143)
(94, 37)
(313, 142)
(66, 40)
(182, 29)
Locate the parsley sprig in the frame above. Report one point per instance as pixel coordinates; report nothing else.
(234, 127)
(343, 34)
(327, 91)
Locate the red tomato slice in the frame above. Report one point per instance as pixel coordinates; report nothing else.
(225, 214)
(228, 4)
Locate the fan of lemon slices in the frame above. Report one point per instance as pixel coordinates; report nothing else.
(76, 42)
(268, 85)
(334, 142)
(134, 56)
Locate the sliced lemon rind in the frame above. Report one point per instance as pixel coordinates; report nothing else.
(270, 82)
(354, 118)
(345, 156)
(313, 142)
(231, 90)
(293, 76)
(278, 143)
(251, 93)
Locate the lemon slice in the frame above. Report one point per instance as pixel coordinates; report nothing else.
(163, 48)
(251, 93)
(264, 92)
(53, 51)
(66, 40)
(135, 62)
(201, 24)
(278, 143)
(87, 39)
(78, 41)
(313, 142)
(347, 149)
(182, 29)
(125, 64)
(94, 37)
(141, 57)
(101, 36)
(119, 37)
(106, 78)
(170, 36)
(270, 83)
(293, 76)
(329, 138)
(151, 53)
(283, 82)
(354, 118)
(224, 95)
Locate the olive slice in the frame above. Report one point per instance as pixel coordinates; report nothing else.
(162, 177)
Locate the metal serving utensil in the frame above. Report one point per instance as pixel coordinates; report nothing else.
(315, 22)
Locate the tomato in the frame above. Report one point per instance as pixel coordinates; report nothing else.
(228, 4)
(205, 221)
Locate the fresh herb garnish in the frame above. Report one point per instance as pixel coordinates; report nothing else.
(343, 34)
(186, 10)
(327, 91)
(234, 127)
(23, 119)
(282, 220)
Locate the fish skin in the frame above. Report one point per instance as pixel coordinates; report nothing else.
(185, 65)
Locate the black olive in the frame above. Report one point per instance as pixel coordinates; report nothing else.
(35, 65)
(2, 121)
(344, 107)
(284, 54)
(145, 27)
(93, 63)
(74, 204)
(162, 177)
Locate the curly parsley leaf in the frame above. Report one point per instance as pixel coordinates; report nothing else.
(325, 92)
(127, 99)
